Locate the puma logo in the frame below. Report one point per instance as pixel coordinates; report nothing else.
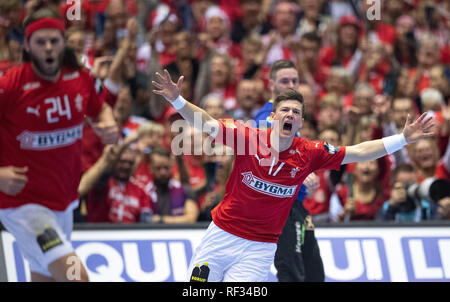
(34, 111)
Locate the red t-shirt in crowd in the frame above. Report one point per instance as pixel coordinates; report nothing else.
(261, 189)
(41, 126)
(363, 211)
(113, 201)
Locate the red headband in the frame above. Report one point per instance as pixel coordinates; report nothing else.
(44, 23)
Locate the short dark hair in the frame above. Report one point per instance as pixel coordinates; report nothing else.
(278, 65)
(401, 168)
(313, 37)
(289, 95)
(160, 151)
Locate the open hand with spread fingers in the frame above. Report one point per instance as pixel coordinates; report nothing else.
(168, 89)
(420, 128)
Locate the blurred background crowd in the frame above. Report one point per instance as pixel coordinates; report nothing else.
(360, 77)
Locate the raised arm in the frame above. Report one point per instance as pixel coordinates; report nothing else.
(370, 150)
(194, 115)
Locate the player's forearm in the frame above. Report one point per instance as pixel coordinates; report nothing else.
(365, 151)
(198, 118)
(374, 149)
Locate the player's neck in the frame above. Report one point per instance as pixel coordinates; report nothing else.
(53, 78)
(279, 143)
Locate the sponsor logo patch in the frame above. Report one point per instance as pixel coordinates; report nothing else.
(51, 139)
(48, 239)
(267, 187)
(200, 273)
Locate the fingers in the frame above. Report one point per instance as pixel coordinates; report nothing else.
(157, 85)
(21, 170)
(421, 117)
(180, 83)
(408, 120)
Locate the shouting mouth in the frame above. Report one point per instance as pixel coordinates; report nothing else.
(287, 128)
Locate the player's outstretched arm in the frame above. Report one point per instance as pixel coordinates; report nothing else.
(370, 150)
(171, 92)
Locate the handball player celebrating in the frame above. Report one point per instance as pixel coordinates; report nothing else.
(240, 243)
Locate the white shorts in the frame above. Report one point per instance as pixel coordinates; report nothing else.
(222, 256)
(42, 235)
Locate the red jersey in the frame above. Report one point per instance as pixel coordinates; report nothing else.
(41, 125)
(261, 189)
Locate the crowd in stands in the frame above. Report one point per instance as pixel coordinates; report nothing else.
(360, 78)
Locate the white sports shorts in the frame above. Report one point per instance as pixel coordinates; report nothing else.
(222, 256)
(42, 235)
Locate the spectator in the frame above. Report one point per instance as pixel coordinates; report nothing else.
(216, 76)
(317, 202)
(150, 135)
(405, 44)
(307, 56)
(10, 18)
(427, 57)
(375, 66)
(110, 194)
(309, 97)
(248, 98)
(405, 84)
(171, 201)
(185, 63)
(330, 112)
(428, 17)
(106, 44)
(252, 21)
(198, 9)
(309, 129)
(217, 34)
(284, 21)
(164, 27)
(439, 81)
(311, 21)
(213, 105)
(425, 157)
(363, 98)
(14, 41)
(431, 100)
(346, 52)
(340, 82)
(254, 53)
(76, 39)
(401, 206)
(362, 196)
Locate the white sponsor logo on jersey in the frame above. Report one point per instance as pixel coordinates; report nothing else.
(267, 187)
(71, 76)
(50, 139)
(34, 111)
(32, 85)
